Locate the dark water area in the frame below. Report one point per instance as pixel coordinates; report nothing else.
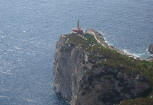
(29, 30)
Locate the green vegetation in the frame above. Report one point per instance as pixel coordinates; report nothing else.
(118, 61)
(90, 39)
(85, 42)
(139, 101)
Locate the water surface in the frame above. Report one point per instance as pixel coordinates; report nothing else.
(29, 30)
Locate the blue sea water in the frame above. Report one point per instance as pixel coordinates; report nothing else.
(29, 30)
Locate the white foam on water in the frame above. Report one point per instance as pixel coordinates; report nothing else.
(17, 48)
(6, 67)
(106, 41)
(6, 72)
(131, 54)
(10, 50)
(24, 31)
(2, 35)
(149, 52)
(126, 51)
(4, 97)
(29, 100)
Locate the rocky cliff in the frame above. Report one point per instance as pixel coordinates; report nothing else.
(150, 48)
(89, 72)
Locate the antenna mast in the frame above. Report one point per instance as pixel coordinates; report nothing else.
(78, 24)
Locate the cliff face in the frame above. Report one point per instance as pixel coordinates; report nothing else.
(67, 66)
(88, 72)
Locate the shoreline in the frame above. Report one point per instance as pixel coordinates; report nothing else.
(101, 40)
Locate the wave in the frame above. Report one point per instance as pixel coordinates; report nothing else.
(2, 35)
(29, 100)
(4, 97)
(24, 31)
(143, 55)
(6, 73)
(132, 54)
(148, 52)
(106, 41)
(17, 48)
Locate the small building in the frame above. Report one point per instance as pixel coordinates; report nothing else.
(77, 29)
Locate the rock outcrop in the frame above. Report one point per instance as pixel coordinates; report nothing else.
(89, 73)
(150, 48)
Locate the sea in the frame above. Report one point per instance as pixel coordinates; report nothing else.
(29, 30)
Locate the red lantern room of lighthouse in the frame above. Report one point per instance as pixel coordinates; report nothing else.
(77, 29)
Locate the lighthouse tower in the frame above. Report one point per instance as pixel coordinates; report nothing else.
(77, 29)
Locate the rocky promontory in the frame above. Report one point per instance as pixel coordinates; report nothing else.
(87, 71)
(150, 48)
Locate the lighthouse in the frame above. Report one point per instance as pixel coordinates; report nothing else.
(77, 29)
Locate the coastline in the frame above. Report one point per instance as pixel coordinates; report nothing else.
(86, 62)
(100, 39)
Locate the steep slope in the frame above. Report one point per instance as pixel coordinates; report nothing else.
(89, 72)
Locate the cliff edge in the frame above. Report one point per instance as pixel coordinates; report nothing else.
(87, 71)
